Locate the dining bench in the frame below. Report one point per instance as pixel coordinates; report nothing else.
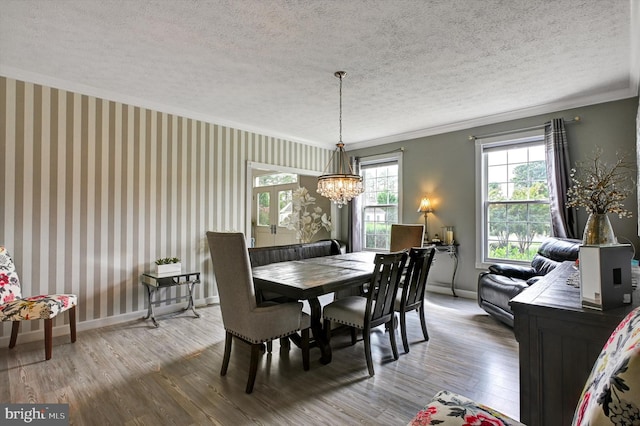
(260, 256)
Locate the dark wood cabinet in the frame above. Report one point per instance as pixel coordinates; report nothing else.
(559, 343)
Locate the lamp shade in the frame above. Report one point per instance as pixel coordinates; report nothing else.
(425, 206)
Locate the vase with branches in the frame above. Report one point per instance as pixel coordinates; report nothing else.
(601, 188)
(306, 219)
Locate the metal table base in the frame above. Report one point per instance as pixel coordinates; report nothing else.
(154, 282)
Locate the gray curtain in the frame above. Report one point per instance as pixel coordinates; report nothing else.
(355, 216)
(563, 218)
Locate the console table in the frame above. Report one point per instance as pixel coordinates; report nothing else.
(154, 282)
(559, 343)
(452, 251)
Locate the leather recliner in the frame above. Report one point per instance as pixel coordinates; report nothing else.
(502, 282)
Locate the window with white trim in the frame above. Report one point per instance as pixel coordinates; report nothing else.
(513, 213)
(382, 178)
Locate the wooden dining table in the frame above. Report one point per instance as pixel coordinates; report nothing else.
(311, 278)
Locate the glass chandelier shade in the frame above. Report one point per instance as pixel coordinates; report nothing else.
(343, 186)
(340, 187)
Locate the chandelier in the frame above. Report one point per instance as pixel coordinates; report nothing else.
(340, 187)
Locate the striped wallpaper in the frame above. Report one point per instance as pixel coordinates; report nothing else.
(93, 191)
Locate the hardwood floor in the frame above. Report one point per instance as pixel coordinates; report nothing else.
(134, 374)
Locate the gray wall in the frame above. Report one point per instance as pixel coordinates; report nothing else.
(443, 166)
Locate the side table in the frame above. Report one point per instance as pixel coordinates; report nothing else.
(154, 282)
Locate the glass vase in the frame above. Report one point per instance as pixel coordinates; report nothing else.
(447, 234)
(598, 230)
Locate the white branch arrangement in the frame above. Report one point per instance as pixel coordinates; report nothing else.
(601, 188)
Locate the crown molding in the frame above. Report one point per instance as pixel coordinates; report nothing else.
(79, 88)
(499, 118)
(36, 78)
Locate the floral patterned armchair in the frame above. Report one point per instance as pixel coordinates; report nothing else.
(612, 392)
(14, 307)
(450, 409)
(611, 395)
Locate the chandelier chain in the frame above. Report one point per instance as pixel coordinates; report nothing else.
(340, 187)
(341, 76)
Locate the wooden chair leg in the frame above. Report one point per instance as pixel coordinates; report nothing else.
(305, 349)
(392, 336)
(270, 346)
(403, 331)
(15, 326)
(423, 322)
(72, 323)
(253, 367)
(227, 353)
(285, 343)
(48, 338)
(366, 336)
(354, 335)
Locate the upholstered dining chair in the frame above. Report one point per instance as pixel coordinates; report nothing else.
(611, 395)
(403, 237)
(243, 318)
(15, 308)
(411, 297)
(373, 309)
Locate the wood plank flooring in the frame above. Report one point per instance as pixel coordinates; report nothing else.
(134, 374)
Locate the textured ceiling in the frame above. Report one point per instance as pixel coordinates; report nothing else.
(415, 67)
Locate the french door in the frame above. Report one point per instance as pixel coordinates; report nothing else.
(272, 206)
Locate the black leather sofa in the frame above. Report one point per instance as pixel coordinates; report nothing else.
(503, 281)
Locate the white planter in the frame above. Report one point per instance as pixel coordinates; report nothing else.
(169, 269)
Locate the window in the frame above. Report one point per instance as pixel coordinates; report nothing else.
(267, 210)
(514, 210)
(381, 199)
(284, 207)
(271, 178)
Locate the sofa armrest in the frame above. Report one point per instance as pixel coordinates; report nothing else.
(513, 271)
(533, 280)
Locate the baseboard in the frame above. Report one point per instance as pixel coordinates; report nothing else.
(63, 330)
(442, 289)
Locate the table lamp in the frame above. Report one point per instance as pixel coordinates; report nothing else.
(425, 207)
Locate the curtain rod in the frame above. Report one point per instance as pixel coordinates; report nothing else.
(401, 149)
(575, 119)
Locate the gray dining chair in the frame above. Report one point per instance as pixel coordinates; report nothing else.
(243, 318)
(403, 237)
(411, 295)
(373, 309)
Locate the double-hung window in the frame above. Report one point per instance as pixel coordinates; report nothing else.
(382, 176)
(513, 210)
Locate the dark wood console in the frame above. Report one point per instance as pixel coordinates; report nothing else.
(559, 343)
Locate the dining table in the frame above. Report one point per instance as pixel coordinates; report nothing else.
(308, 279)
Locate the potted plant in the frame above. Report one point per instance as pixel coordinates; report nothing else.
(168, 265)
